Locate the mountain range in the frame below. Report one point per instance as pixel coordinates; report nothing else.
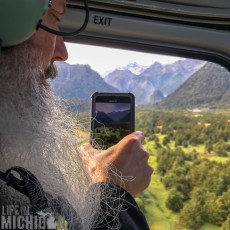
(164, 78)
(147, 83)
(209, 87)
(112, 117)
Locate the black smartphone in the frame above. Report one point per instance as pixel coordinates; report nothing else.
(112, 118)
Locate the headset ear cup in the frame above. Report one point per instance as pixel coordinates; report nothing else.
(19, 19)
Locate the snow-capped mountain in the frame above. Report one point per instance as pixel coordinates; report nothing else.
(165, 78)
(134, 68)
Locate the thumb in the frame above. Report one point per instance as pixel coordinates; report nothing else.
(87, 150)
(140, 136)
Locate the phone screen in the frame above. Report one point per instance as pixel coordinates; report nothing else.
(112, 118)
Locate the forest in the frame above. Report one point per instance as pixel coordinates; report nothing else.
(190, 153)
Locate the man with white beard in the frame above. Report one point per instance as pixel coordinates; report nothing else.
(45, 168)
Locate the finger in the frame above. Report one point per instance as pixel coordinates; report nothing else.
(148, 173)
(144, 155)
(87, 149)
(144, 149)
(140, 136)
(84, 148)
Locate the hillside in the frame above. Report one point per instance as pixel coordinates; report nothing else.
(78, 81)
(208, 87)
(156, 77)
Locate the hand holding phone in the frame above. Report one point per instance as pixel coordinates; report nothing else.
(112, 118)
(116, 163)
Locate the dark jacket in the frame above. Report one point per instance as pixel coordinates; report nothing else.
(123, 206)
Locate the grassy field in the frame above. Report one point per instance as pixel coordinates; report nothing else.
(199, 148)
(158, 216)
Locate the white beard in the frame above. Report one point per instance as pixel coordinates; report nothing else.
(35, 133)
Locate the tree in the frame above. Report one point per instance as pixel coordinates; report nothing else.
(211, 210)
(226, 224)
(191, 216)
(166, 140)
(208, 146)
(220, 149)
(174, 201)
(193, 155)
(185, 143)
(224, 203)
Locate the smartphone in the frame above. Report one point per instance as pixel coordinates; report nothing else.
(112, 118)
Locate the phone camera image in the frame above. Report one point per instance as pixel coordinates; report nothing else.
(112, 118)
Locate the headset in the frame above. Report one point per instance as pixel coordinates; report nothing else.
(19, 19)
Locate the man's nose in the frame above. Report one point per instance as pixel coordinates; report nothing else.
(60, 52)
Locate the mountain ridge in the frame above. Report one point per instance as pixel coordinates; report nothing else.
(78, 82)
(208, 87)
(166, 78)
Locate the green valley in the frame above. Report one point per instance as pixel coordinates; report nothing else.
(190, 152)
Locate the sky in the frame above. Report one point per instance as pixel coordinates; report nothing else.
(110, 107)
(103, 59)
